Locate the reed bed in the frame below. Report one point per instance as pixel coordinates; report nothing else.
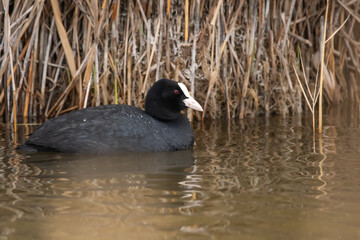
(239, 58)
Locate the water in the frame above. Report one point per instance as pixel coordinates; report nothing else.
(260, 179)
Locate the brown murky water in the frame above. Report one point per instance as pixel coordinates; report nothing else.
(262, 179)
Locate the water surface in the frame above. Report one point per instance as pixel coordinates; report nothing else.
(258, 179)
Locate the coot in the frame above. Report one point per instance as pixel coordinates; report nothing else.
(119, 128)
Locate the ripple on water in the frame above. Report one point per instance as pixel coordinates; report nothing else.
(251, 181)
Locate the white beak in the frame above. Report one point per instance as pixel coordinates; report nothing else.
(190, 101)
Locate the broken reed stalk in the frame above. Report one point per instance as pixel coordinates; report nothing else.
(103, 52)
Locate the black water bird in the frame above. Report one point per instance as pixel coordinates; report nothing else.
(119, 128)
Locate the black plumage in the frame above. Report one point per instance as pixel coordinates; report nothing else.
(118, 128)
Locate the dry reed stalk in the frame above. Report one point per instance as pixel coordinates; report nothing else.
(193, 54)
(216, 12)
(9, 80)
(32, 107)
(9, 54)
(87, 76)
(76, 45)
(357, 18)
(168, 7)
(167, 40)
(186, 20)
(105, 65)
(55, 82)
(126, 40)
(266, 90)
(63, 37)
(26, 25)
(71, 84)
(317, 93)
(251, 28)
(129, 77)
(114, 36)
(288, 24)
(215, 69)
(116, 79)
(46, 61)
(151, 56)
(212, 72)
(149, 9)
(27, 98)
(235, 56)
(313, 99)
(96, 77)
(321, 79)
(159, 48)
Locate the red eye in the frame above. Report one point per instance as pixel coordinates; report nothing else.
(176, 91)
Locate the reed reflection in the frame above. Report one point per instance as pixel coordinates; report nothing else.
(263, 155)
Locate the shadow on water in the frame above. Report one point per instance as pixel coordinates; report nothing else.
(99, 166)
